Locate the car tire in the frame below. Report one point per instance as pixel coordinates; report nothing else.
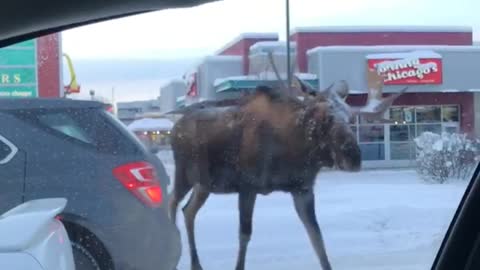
(84, 260)
(89, 253)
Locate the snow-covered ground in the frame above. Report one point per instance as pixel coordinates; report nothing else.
(377, 219)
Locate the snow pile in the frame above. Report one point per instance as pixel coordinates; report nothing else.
(151, 124)
(271, 46)
(446, 156)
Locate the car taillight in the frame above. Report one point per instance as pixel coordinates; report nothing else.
(109, 108)
(141, 180)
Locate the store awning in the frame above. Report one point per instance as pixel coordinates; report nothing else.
(180, 102)
(242, 83)
(474, 90)
(250, 82)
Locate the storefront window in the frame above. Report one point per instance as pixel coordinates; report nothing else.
(450, 113)
(435, 128)
(402, 115)
(402, 151)
(428, 114)
(400, 133)
(363, 120)
(373, 133)
(451, 127)
(373, 151)
(408, 122)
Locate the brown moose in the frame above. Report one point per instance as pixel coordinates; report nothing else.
(267, 141)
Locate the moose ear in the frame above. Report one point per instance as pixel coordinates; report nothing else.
(302, 85)
(327, 92)
(335, 90)
(303, 89)
(342, 89)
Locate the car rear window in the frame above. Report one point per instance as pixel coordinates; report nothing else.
(88, 127)
(65, 124)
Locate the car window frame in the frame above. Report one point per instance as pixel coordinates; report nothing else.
(54, 132)
(13, 150)
(460, 240)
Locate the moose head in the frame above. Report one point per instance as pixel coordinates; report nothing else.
(329, 116)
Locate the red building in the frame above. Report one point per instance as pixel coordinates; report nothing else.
(241, 45)
(439, 65)
(308, 38)
(49, 57)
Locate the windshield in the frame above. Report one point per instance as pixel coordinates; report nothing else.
(199, 138)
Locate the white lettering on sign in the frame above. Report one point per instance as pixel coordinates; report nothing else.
(7, 78)
(21, 94)
(405, 68)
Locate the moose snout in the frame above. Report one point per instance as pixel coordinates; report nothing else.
(349, 157)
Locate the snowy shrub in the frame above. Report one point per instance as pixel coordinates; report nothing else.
(446, 156)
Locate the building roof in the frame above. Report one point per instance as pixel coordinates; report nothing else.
(252, 81)
(221, 58)
(278, 46)
(267, 35)
(393, 28)
(211, 58)
(174, 81)
(395, 48)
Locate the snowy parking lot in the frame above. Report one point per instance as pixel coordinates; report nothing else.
(376, 219)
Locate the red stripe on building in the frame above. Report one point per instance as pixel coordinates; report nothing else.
(48, 61)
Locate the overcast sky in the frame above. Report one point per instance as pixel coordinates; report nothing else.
(166, 43)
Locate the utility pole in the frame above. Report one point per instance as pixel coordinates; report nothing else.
(113, 95)
(114, 105)
(287, 15)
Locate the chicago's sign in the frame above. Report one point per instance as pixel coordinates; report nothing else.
(417, 67)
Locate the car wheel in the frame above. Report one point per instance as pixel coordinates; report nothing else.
(84, 260)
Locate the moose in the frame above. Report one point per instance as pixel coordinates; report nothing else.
(268, 141)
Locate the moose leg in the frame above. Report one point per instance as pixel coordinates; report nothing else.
(196, 201)
(175, 199)
(180, 188)
(305, 207)
(246, 202)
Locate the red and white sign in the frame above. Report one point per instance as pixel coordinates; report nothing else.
(417, 67)
(192, 88)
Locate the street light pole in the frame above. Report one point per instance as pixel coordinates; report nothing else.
(287, 15)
